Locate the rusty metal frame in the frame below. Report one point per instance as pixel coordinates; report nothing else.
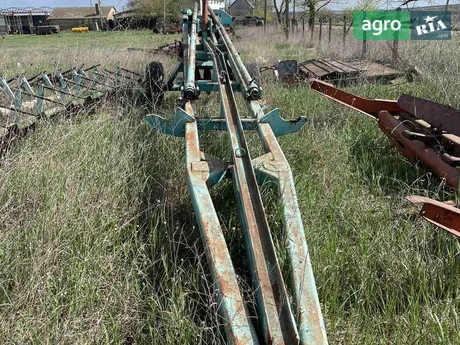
(279, 321)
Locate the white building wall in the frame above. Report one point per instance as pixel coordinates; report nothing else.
(215, 5)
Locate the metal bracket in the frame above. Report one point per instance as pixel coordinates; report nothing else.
(281, 126)
(438, 213)
(174, 126)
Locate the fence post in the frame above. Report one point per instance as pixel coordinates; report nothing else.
(303, 26)
(312, 28)
(286, 20)
(320, 29)
(330, 29)
(344, 29)
(364, 52)
(396, 41)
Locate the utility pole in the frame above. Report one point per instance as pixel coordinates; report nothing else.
(100, 13)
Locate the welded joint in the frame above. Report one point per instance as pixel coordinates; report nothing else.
(268, 164)
(201, 166)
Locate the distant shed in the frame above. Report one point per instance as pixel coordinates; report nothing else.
(241, 8)
(69, 17)
(14, 20)
(3, 27)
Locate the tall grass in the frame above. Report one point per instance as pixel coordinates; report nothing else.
(98, 242)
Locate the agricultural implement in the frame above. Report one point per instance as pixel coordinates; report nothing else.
(210, 63)
(24, 101)
(291, 72)
(424, 131)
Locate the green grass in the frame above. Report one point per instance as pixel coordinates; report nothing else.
(98, 242)
(66, 50)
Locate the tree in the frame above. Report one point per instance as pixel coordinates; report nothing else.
(259, 12)
(279, 10)
(363, 5)
(155, 8)
(313, 7)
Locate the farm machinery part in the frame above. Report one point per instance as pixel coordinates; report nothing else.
(24, 101)
(291, 72)
(210, 63)
(424, 132)
(173, 48)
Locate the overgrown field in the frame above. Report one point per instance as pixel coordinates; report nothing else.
(98, 242)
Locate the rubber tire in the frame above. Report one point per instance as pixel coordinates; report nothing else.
(254, 72)
(154, 83)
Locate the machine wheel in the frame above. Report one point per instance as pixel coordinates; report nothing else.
(254, 72)
(154, 83)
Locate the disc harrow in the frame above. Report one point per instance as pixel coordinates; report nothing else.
(25, 101)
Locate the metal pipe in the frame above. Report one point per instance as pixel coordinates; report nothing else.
(190, 91)
(40, 97)
(63, 92)
(204, 15)
(127, 70)
(249, 83)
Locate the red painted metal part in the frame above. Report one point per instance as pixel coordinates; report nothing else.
(441, 116)
(369, 107)
(204, 18)
(438, 213)
(405, 123)
(416, 150)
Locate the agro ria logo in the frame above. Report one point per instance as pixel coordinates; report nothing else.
(402, 25)
(432, 25)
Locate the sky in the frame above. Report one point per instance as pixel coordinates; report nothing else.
(118, 4)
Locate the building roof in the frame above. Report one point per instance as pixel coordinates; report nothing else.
(78, 12)
(248, 2)
(26, 10)
(133, 13)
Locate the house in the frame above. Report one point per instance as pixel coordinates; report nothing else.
(241, 8)
(216, 4)
(22, 20)
(93, 17)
